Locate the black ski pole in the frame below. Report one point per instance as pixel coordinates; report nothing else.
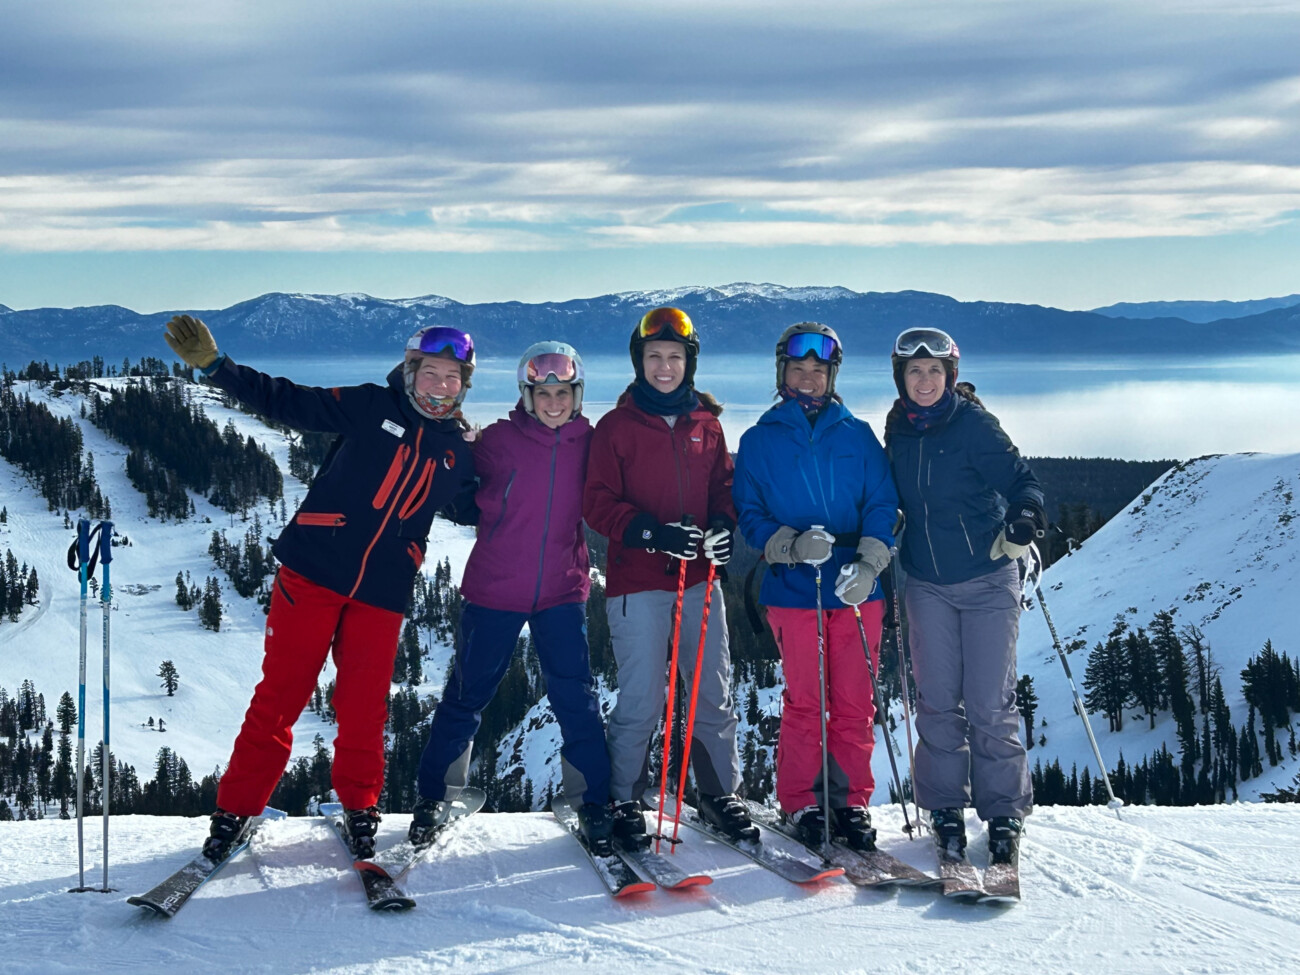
(878, 698)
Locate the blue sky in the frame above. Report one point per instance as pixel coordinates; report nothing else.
(162, 155)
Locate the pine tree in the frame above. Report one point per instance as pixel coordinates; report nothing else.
(171, 678)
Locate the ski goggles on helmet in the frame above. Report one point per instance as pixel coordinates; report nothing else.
(937, 343)
(549, 367)
(803, 344)
(661, 320)
(442, 338)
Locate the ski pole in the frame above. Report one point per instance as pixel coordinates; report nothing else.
(878, 698)
(83, 569)
(904, 689)
(695, 694)
(821, 677)
(105, 530)
(672, 693)
(1033, 576)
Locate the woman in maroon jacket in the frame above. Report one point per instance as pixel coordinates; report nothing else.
(528, 566)
(659, 488)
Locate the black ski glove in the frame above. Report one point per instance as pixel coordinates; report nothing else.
(1025, 521)
(677, 539)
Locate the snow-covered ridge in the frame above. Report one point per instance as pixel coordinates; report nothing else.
(1215, 542)
(717, 293)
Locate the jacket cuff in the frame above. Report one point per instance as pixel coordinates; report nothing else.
(640, 531)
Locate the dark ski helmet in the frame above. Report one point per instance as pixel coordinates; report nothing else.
(809, 339)
(665, 324)
(550, 364)
(925, 343)
(444, 342)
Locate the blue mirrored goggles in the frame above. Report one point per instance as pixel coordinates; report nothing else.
(937, 343)
(441, 338)
(802, 344)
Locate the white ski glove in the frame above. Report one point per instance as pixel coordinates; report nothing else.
(717, 546)
(1003, 547)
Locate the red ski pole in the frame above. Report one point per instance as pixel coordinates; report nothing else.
(672, 688)
(690, 709)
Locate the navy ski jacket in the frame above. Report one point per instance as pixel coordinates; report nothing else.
(363, 528)
(954, 481)
(833, 473)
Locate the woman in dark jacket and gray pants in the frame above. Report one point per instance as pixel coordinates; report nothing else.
(972, 506)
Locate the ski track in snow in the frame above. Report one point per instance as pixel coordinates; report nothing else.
(1208, 889)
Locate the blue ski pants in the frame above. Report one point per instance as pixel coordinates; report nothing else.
(487, 642)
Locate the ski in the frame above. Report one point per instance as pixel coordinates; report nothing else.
(661, 869)
(874, 868)
(380, 876)
(620, 878)
(173, 893)
(784, 864)
(1001, 884)
(961, 879)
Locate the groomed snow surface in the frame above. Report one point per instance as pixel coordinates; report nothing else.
(1158, 890)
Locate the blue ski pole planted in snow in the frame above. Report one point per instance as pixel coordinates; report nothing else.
(106, 603)
(82, 559)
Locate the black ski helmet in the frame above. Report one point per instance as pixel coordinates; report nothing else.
(925, 343)
(821, 342)
(670, 325)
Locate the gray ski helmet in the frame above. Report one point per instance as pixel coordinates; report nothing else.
(550, 364)
(809, 339)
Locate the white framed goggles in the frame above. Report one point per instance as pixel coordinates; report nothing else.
(937, 343)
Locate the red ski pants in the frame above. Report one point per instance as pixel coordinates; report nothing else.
(850, 736)
(305, 622)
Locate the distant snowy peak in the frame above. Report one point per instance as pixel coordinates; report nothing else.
(736, 289)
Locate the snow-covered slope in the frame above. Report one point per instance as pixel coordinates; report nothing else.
(1215, 542)
(1162, 890)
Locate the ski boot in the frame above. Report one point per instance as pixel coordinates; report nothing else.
(727, 814)
(427, 819)
(226, 831)
(853, 825)
(1004, 840)
(628, 828)
(596, 820)
(949, 827)
(810, 823)
(363, 824)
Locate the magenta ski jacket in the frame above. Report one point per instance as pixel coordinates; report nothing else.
(531, 553)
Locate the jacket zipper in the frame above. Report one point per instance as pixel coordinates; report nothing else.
(546, 525)
(505, 498)
(361, 572)
(925, 505)
(966, 533)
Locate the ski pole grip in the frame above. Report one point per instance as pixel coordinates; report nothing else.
(83, 540)
(105, 542)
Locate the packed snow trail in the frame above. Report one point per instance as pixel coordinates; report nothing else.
(1209, 889)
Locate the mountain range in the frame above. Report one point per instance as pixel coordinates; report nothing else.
(733, 318)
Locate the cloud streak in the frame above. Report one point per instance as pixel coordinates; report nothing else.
(495, 127)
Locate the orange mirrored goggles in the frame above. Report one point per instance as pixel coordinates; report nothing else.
(666, 320)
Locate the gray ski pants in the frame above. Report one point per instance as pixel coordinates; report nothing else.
(640, 628)
(963, 642)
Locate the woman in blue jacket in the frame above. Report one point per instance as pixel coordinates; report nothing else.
(972, 506)
(813, 493)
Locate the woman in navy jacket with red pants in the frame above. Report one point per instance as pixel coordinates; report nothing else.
(348, 559)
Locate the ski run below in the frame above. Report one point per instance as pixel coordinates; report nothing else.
(1207, 889)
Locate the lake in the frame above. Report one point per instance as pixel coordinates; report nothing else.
(1140, 408)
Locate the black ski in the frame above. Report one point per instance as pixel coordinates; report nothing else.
(620, 878)
(173, 893)
(784, 864)
(380, 876)
(874, 868)
(661, 869)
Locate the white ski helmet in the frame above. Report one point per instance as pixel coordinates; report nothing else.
(550, 364)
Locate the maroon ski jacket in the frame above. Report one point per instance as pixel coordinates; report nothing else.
(640, 464)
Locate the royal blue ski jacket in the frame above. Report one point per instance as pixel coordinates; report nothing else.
(833, 473)
(954, 481)
(363, 528)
